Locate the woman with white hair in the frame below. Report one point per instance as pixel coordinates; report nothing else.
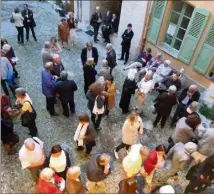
(49, 182)
(163, 104)
(72, 23)
(73, 181)
(129, 87)
(57, 65)
(104, 69)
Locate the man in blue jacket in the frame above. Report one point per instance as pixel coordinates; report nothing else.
(48, 81)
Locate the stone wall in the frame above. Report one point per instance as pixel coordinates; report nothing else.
(133, 12)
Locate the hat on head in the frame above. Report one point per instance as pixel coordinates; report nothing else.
(190, 147)
(97, 8)
(167, 62)
(166, 189)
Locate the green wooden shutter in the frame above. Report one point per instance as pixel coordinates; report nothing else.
(206, 52)
(193, 34)
(156, 20)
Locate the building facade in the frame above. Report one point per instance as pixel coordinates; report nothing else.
(184, 32)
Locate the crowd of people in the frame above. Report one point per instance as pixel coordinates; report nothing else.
(190, 147)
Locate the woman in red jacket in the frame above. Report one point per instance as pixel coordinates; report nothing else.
(154, 161)
(49, 182)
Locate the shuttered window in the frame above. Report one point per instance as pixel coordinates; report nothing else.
(178, 23)
(206, 52)
(156, 20)
(195, 28)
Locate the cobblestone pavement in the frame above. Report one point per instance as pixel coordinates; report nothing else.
(53, 130)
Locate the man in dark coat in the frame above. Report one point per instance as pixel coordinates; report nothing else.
(106, 28)
(164, 103)
(28, 22)
(126, 43)
(187, 96)
(96, 20)
(169, 81)
(65, 89)
(97, 170)
(89, 74)
(114, 24)
(89, 52)
(111, 57)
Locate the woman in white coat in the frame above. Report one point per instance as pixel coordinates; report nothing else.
(132, 128)
(17, 19)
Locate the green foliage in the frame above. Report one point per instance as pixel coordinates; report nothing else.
(207, 112)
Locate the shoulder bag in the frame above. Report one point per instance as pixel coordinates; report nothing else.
(12, 19)
(28, 117)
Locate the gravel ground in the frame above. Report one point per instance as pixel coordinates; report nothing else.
(53, 130)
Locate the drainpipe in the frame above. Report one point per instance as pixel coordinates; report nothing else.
(146, 24)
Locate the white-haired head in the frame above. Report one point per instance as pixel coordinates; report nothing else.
(97, 8)
(159, 54)
(190, 147)
(192, 88)
(29, 144)
(104, 63)
(166, 189)
(131, 74)
(109, 46)
(172, 89)
(167, 62)
(148, 75)
(193, 106)
(56, 58)
(6, 48)
(46, 174)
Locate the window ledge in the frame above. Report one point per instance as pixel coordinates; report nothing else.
(166, 48)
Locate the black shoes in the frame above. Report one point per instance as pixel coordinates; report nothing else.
(120, 59)
(54, 114)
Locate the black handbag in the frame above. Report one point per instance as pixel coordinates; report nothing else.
(28, 117)
(12, 19)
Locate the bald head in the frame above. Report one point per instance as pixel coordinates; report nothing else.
(49, 66)
(29, 144)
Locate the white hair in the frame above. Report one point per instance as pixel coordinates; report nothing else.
(131, 74)
(56, 56)
(104, 63)
(73, 172)
(167, 62)
(193, 106)
(166, 189)
(109, 46)
(46, 174)
(172, 89)
(193, 87)
(159, 54)
(97, 8)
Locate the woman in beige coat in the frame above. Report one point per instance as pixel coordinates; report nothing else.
(73, 181)
(132, 128)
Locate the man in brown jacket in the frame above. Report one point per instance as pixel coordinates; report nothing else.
(63, 31)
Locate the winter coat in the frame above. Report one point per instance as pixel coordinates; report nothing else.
(183, 132)
(195, 96)
(164, 103)
(89, 134)
(63, 32)
(73, 186)
(131, 131)
(206, 142)
(28, 21)
(111, 96)
(179, 156)
(95, 172)
(48, 187)
(91, 100)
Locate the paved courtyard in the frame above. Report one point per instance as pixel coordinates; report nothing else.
(53, 130)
